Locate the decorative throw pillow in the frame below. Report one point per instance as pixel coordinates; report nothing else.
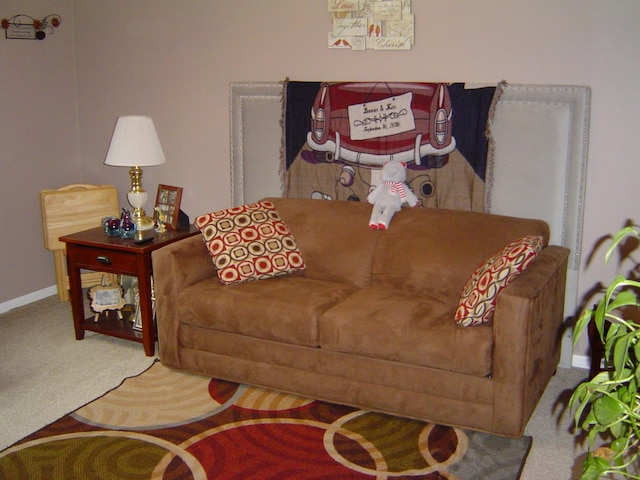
(249, 242)
(478, 297)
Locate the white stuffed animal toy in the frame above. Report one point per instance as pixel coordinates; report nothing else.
(387, 197)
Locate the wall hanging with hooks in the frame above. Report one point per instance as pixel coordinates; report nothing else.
(24, 27)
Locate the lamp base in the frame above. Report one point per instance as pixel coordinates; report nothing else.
(141, 220)
(137, 198)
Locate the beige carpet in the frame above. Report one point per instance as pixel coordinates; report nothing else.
(45, 373)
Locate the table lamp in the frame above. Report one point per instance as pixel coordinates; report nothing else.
(135, 144)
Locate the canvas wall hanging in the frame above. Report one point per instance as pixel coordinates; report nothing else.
(337, 136)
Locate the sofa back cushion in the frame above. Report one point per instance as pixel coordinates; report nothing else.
(333, 237)
(435, 251)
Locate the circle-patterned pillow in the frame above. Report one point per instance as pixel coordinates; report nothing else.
(478, 297)
(249, 242)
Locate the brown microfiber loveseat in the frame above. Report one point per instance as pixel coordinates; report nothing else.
(370, 321)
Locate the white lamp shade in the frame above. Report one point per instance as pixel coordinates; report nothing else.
(135, 143)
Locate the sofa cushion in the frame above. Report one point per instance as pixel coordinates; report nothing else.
(249, 242)
(397, 325)
(333, 236)
(283, 309)
(478, 298)
(433, 251)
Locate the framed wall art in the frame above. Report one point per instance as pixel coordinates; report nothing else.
(168, 205)
(371, 24)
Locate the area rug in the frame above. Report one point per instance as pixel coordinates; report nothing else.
(167, 424)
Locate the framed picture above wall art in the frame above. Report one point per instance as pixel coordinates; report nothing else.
(168, 205)
(371, 24)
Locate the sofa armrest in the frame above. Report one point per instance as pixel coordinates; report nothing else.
(527, 330)
(175, 267)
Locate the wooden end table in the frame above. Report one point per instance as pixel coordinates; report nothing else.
(95, 250)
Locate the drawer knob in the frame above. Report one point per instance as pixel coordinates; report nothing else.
(104, 260)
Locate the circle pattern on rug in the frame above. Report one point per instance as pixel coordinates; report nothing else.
(160, 398)
(99, 455)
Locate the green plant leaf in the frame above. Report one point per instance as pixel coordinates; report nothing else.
(618, 237)
(613, 334)
(636, 350)
(619, 444)
(607, 410)
(581, 324)
(632, 386)
(624, 395)
(618, 430)
(599, 379)
(621, 355)
(581, 397)
(594, 467)
(624, 297)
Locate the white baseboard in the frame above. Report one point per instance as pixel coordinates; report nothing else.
(581, 361)
(28, 298)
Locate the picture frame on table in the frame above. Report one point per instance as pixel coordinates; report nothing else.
(137, 316)
(168, 203)
(106, 297)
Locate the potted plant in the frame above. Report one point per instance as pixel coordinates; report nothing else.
(608, 405)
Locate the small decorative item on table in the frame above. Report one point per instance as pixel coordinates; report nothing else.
(127, 226)
(159, 216)
(111, 226)
(106, 297)
(168, 202)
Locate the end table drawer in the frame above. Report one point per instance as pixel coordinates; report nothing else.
(103, 260)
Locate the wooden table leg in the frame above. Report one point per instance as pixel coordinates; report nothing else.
(75, 295)
(145, 304)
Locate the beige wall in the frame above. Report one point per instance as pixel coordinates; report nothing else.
(174, 60)
(38, 141)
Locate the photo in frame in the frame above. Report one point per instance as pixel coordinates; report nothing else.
(106, 296)
(168, 203)
(137, 317)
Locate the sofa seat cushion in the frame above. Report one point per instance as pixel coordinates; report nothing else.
(396, 325)
(284, 309)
